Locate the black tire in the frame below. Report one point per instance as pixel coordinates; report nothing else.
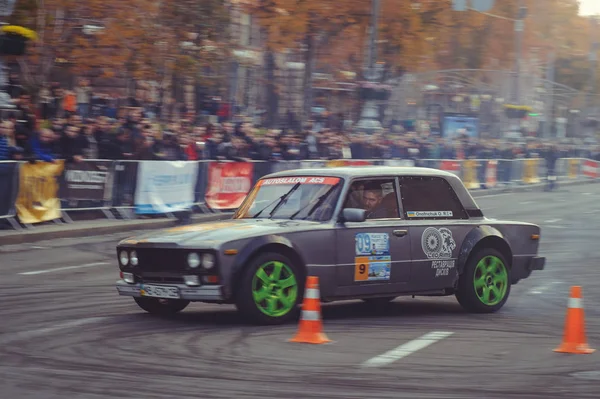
(379, 302)
(244, 299)
(162, 307)
(467, 294)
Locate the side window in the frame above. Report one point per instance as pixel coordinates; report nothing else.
(377, 196)
(430, 198)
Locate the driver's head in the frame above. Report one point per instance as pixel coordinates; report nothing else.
(372, 197)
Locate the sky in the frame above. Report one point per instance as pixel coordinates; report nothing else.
(589, 7)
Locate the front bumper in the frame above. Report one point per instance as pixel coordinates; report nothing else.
(537, 263)
(201, 293)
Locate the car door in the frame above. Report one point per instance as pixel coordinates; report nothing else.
(373, 256)
(438, 224)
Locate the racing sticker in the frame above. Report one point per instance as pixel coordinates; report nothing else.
(300, 179)
(438, 244)
(372, 257)
(429, 214)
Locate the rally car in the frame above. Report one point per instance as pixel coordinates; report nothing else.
(370, 233)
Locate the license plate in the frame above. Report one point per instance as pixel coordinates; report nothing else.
(159, 291)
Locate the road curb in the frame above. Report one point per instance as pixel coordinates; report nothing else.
(527, 188)
(95, 228)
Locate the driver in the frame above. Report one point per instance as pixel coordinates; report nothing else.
(371, 199)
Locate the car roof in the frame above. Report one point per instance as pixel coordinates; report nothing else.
(362, 171)
(349, 172)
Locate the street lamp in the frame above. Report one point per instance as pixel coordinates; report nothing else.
(369, 118)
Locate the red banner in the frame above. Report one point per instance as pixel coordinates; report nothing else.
(228, 184)
(491, 173)
(590, 169)
(450, 166)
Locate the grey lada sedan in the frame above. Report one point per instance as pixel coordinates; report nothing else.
(370, 233)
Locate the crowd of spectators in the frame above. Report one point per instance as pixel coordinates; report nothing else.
(133, 133)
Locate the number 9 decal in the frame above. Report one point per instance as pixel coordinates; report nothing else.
(362, 269)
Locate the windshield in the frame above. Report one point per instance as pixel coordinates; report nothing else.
(299, 197)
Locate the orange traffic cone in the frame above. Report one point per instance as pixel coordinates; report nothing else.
(574, 340)
(310, 330)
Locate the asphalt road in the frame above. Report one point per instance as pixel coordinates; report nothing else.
(67, 334)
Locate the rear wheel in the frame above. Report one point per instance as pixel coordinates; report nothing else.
(484, 286)
(162, 307)
(270, 290)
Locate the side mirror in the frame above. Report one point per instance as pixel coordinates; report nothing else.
(353, 215)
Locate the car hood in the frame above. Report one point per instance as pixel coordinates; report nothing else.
(213, 233)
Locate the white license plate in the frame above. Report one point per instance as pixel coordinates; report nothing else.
(159, 291)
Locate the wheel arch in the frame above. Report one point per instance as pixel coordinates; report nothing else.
(260, 245)
(483, 237)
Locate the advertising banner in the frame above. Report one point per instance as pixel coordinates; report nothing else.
(89, 180)
(165, 186)
(38, 192)
(590, 169)
(9, 187)
(228, 184)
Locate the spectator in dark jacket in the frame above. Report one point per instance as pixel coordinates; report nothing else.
(42, 146)
(72, 144)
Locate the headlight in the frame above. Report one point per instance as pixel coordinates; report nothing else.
(193, 260)
(208, 261)
(124, 258)
(134, 258)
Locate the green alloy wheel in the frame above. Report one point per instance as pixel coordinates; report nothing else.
(274, 289)
(270, 289)
(490, 280)
(485, 284)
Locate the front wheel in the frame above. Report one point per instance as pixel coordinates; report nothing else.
(162, 307)
(484, 285)
(270, 290)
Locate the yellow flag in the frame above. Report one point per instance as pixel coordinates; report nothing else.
(38, 192)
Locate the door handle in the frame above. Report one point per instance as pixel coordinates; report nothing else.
(400, 233)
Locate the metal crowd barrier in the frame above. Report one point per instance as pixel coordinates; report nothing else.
(32, 193)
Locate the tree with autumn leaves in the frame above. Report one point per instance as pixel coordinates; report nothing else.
(133, 39)
(171, 40)
(424, 35)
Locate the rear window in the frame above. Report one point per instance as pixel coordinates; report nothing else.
(429, 198)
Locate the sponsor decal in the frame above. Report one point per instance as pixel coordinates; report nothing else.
(442, 267)
(372, 260)
(302, 179)
(438, 244)
(429, 214)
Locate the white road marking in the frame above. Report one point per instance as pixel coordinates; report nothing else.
(59, 269)
(47, 330)
(552, 220)
(38, 247)
(586, 193)
(554, 227)
(526, 202)
(407, 349)
(542, 288)
(490, 195)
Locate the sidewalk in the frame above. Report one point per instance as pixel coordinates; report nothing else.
(103, 226)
